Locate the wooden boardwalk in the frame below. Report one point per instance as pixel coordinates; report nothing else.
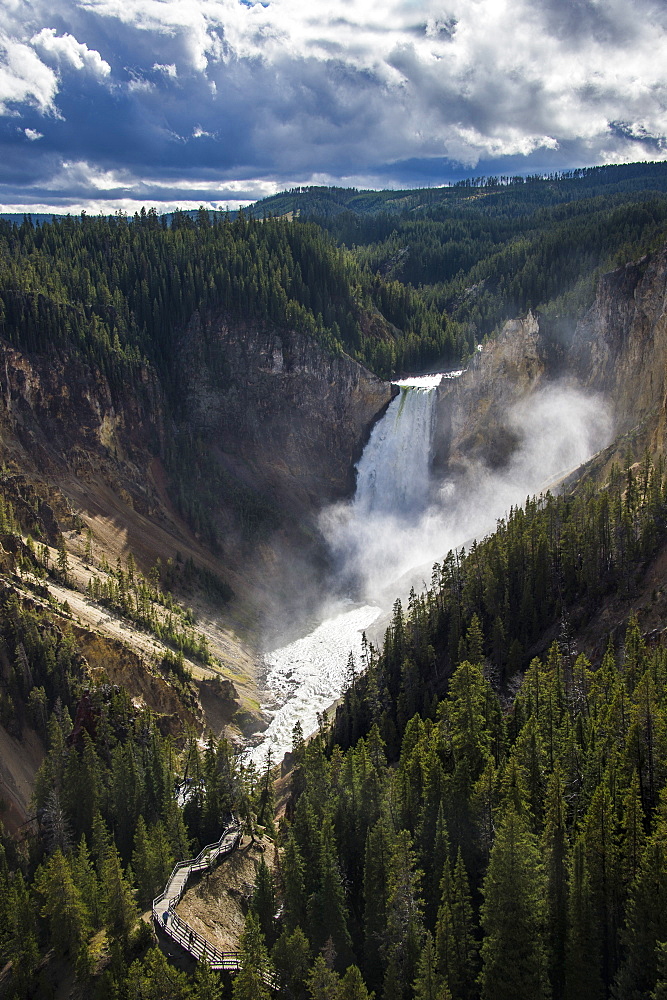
(164, 906)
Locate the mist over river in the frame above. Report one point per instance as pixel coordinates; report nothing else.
(402, 519)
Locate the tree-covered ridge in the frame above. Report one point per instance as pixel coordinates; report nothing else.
(508, 194)
(108, 824)
(544, 571)
(512, 851)
(440, 268)
(119, 291)
(490, 248)
(490, 832)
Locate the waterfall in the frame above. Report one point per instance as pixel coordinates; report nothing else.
(393, 484)
(367, 536)
(393, 472)
(400, 522)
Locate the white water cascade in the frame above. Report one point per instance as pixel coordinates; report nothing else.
(393, 480)
(400, 522)
(393, 472)
(394, 492)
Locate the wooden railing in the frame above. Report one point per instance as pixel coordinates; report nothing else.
(164, 905)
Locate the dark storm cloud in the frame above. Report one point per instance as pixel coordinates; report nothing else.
(110, 101)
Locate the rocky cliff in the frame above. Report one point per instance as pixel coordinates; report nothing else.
(266, 428)
(472, 420)
(287, 416)
(620, 348)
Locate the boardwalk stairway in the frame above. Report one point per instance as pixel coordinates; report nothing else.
(164, 906)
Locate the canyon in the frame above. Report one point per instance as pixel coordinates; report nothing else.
(270, 426)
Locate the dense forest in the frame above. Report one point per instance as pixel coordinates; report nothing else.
(441, 268)
(489, 248)
(118, 291)
(467, 826)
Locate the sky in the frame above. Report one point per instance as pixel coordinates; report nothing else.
(109, 105)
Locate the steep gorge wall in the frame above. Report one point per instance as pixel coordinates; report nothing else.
(58, 414)
(620, 348)
(281, 422)
(472, 413)
(286, 416)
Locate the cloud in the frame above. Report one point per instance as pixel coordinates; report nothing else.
(24, 79)
(169, 69)
(67, 51)
(33, 134)
(391, 92)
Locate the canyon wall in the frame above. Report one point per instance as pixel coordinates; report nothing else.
(472, 420)
(620, 348)
(268, 422)
(617, 349)
(285, 415)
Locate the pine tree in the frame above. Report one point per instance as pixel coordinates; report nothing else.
(463, 965)
(583, 980)
(513, 951)
(293, 959)
(376, 879)
(633, 835)
(323, 982)
(475, 641)
(428, 984)
(294, 893)
(439, 862)
(405, 930)
(19, 925)
(250, 981)
(143, 864)
(263, 902)
(207, 983)
(85, 878)
(600, 837)
(646, 915)
(65, 911)
(153, 978)
(555, 852)
(327, 906)
(120, 909)
(352, 986)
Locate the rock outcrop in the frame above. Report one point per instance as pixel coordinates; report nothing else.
(278, 418)
(286, 415)
(472, 409)
(620, 348)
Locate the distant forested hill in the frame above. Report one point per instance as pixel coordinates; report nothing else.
(400, 280)
(486, 249)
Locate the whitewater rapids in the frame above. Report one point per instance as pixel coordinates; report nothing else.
(308, 675)
(400, 521)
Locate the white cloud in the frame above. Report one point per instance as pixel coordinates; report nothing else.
(480, 78)
(33, 134)
(68, 51)
(168, 69)
(24, 79)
